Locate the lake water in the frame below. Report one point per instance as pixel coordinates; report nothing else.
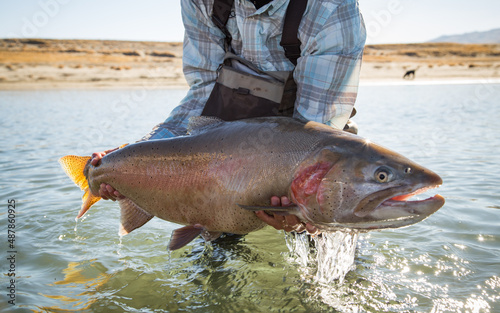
(447, 263)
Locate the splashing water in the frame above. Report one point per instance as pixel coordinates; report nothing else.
(323, 259)
(324, 262)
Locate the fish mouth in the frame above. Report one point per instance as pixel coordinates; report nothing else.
(391, 208)
(399, 210)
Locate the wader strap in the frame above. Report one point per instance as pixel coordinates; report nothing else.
(220, 15)
(289, 39)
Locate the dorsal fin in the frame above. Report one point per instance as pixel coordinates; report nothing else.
(132, 216)
(199, 124)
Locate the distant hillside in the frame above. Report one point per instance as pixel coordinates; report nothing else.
(490, 36)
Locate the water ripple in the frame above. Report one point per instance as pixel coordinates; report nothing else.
(447, 263)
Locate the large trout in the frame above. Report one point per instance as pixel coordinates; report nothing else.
(212, 179)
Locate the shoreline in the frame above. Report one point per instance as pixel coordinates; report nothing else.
(38, 64)
(121, 86)
(442, 81)
(26, 86)
(87, 85)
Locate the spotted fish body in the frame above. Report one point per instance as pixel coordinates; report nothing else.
(211, 180)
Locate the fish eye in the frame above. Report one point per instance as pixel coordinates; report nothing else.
(408, 170)
(382, 175)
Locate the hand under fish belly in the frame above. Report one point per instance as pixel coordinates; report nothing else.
(212, 180)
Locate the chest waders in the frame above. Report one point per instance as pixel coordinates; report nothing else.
(244, 91)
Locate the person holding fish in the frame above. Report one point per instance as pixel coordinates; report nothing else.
(245, 59)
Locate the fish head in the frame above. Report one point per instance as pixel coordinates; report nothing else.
(361, 185)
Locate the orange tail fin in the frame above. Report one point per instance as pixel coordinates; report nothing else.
(74, 166)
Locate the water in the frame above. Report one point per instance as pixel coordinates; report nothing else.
(324, 259)
(448, 263)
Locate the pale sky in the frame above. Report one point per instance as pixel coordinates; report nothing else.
(388, 21)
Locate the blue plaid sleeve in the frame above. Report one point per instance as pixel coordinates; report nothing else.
(203, 52)
(327, 74)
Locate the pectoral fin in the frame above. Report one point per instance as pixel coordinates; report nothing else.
(132, 216)
(183, 236)
(277, 210)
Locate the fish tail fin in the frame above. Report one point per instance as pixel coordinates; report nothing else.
(74, 167)
(88, 200)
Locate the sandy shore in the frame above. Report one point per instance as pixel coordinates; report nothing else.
(41, 64)
(30, 63)
(431, 62)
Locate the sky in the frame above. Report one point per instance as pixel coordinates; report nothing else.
(387, 21)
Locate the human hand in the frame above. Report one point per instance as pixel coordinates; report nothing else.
(288, 223)
(106, 192)
(97, 156)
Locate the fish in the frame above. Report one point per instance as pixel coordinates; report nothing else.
(213, 179)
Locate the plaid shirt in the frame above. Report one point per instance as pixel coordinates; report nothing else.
(332, 34)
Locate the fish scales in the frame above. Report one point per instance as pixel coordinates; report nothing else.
(196, 180)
